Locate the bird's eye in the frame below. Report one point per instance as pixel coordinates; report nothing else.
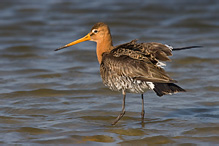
(95, 31)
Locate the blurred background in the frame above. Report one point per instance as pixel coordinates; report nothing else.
(49, 97)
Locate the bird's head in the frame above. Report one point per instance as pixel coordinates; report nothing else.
(99, 32)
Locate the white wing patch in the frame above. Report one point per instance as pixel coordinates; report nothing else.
(151, 85)
(170, 47)
(160, 64)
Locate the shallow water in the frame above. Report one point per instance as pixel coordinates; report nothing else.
(52, 97)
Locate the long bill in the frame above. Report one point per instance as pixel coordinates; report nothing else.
(86, 38)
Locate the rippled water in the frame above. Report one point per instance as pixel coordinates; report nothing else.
(52, 97)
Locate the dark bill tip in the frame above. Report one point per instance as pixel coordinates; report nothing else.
(60, 48)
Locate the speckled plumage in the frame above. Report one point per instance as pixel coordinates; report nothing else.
(133, 66)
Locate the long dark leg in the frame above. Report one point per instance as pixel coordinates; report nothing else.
(123, 110)
(142, 110)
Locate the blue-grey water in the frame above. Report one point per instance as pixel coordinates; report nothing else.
(49, 97)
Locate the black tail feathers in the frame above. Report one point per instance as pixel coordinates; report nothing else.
(166, 88)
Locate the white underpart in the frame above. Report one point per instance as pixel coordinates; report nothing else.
(128, 84)
(170, 47)
(160, 64)
(151, 85)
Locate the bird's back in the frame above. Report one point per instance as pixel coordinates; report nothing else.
(154, 51)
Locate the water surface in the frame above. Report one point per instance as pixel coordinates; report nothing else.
(52, 97)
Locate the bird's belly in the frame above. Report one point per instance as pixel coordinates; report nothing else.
(127, 84)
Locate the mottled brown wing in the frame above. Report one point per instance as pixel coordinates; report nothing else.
(140, 69)
(156, 51)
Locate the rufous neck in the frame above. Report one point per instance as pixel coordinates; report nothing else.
(103, 46)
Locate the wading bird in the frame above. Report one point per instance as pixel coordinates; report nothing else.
(131, 67)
